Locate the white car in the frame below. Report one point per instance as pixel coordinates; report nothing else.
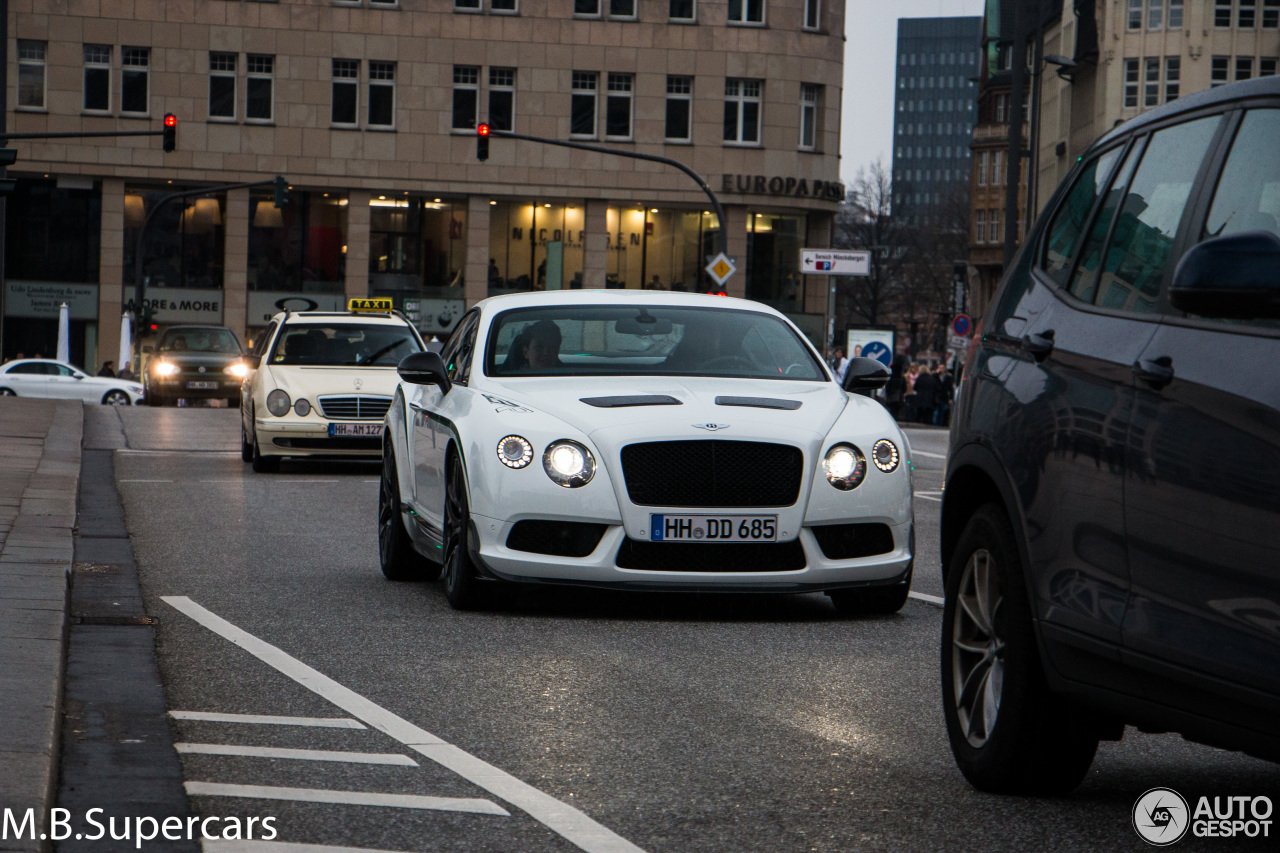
(44, 377)
(321, 383)
(643, 440)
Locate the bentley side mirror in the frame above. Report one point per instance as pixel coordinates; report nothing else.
(1234, 277)
(865, 374)
(424, 368)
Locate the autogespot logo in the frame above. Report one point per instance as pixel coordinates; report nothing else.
(1160, 817)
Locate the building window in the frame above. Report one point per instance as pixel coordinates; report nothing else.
(993, 226)
(1270, 14)
(984, 161)
(1151, 82)
(746, 11)
(624, 9)
(809, 116)
(1131, 82)
(997, 170)
(1002, 108)
(582, 119)
(1135, 14)
(259, 100)
(1222, 13)
(1247, 14)
(812, 14)
(617, 107)
(467, 5)
(741, 111)
(1155, 14)
(980, 226)
(135, 80)
(1172, 78)
(1175, 14)
(97, 78)
(587, 8)
(1267, 67)
(502, 98)
(504, 7)
(382, 94)
(682, 10)
(1244, 67)
(346, 92)
(222, 85)
(1218, 68)
(679, 109)
(31, 74)
(466, 96)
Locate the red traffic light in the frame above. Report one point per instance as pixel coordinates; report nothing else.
(170, 120)
(170, 132)
(483, 130)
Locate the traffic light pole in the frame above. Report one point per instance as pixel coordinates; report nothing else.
(600, 149)
(139, 282)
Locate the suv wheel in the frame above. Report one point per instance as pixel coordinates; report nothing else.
(1008, 733)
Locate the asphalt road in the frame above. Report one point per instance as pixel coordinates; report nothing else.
(668, 722)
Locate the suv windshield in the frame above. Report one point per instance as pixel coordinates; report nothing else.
(644, 340)
(344, 344)
(199, 340)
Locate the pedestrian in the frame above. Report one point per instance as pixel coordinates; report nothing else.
(107, 369)
(909, 412)
(946, 393)
(126, 374)
(839, 364)
(926, 388)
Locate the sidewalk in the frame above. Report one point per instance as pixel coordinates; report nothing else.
(40, 451)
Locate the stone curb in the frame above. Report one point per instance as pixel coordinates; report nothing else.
(36, 559)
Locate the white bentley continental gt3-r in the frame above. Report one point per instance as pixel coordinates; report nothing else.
(643, 440)
(321, 383)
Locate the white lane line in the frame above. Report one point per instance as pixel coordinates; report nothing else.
(146, 481)
(930, 496)
(927, 599)
(561, 818)
(296, 754)
(257, 719)
(345, 798)
(926, 453)
(142, 452)
(218, 845)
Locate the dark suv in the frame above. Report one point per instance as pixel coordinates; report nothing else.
(196, 363)
(1111, 518)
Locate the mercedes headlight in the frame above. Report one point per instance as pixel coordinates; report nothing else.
(568, 463)
(301, 408)
(844, 466)
(515, 451)
(885, 455)
(165, 368)
(239, 370)
(278, 403)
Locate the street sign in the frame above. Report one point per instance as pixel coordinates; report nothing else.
(834, 262)
(721, 268)
(962, 325)
(958, 342)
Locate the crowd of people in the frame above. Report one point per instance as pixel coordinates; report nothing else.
(917, 392)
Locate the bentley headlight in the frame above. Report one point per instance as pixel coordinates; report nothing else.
(844, 466)
(568, 463)
(165, 368)
(885, 455)
(301, 408)
(239, 370)
(515, 451)
(278, 403)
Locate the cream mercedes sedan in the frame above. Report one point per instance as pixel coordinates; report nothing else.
(322, 382)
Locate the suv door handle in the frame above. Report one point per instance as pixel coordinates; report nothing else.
(1039, 344)
(1156, 372)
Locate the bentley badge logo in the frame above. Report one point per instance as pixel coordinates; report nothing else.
(710, 427)
(359, 383)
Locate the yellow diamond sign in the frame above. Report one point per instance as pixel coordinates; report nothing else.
(721, 268)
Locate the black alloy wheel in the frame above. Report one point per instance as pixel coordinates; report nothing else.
(1008, 732)
(871, 600)
(116, 397)
(7, 392)
(263, 464)
(246, 446)
(399, 560)
(462, 584)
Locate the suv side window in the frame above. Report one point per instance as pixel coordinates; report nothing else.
(1069, 223)
(1147, 225)
(1084, 283)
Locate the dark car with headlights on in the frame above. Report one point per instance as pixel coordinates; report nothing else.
(196, 363)
(1110, 517)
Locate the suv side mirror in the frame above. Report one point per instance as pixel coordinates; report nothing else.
(865, 374)
(1233, 277)
(424, 368)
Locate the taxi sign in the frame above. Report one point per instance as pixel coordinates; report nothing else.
(382, 304)
(721, 268)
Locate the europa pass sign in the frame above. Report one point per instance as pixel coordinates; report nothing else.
(834, 262)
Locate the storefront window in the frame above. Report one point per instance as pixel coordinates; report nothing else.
(417, 254)
(660, 249)
(52, 233)
(773, 261)
(301, 247)
(535, 246)
(185, 241)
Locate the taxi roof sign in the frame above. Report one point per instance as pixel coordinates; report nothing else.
(383, 305)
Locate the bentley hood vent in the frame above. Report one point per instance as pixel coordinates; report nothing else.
(759, 402)
(633, 400)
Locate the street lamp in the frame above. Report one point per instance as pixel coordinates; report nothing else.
(1066, 65)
